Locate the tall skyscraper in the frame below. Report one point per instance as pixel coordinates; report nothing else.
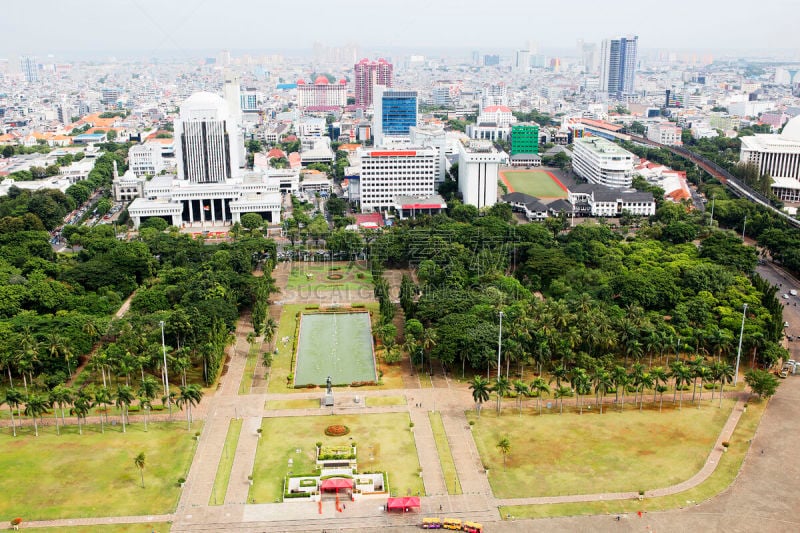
(395, 113)
(205, 133)
(618, 64)
(29, 69)
(523, 61)
(368, 74)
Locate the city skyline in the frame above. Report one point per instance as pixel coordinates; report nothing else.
(183, 28)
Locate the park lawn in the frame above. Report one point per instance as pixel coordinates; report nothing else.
(223, 476)
(375, 401)
(557, 455)
(143, 527)
(297, 403)
(390, 375)
(725, 473)
(386, 437)
(445, 454)
(318, 279)
(533, 182)
(93, 474)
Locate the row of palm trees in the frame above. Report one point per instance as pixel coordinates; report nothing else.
(600, 381)
(79, 402)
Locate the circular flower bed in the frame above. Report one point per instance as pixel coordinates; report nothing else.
(335, 277)
(337, 430)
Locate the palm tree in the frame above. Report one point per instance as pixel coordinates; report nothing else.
(645, 382)
(147, 393)
(619, 376)
(480, 392)
(429, 338)
(80, 407)
(560, 394)
(582, 385)
(13, 399)
(558, 375)
(704, 373)
(123, 400)
(539, 387)
(35, 406)
(190, 396)
(659, 376)
(682, 374)
(637, 373)
(139, 461)
(60, 396)
(504, 446)
(501, 388)
(602, 383)
(695, 365)
(725, 376)
(270, 327)
(102, 398)
(521, 390)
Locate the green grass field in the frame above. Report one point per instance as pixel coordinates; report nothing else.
(384, 437)
(720, 479)
(93, 474)
(533, 182)
(329, 276)
(591, 453)
(337, 345)
(445, 455)
(148, 527)
(223, 476)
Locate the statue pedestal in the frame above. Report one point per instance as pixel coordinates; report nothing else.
(327, 400)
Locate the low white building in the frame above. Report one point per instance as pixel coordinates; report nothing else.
(778, 156)
(602, 162)
(77, 170)
(665, 133)
(478, 171)
(432, 137)
(183, 203)
(595, 200)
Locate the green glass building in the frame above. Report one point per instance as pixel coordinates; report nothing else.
(524, 139)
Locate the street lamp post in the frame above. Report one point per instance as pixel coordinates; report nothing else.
(713, 199)
(744, 227)
(166, 371)
(499, 344)
(739, 352)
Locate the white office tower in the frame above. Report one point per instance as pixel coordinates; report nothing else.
(145, 159)
(523, 61)
(29, 68)
(232, 93)
(494, 94)
(478, 169)
(390, 173)
(603, 162)
(206, 135)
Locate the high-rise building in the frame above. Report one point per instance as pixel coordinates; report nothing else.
(205, 133)
(395, 113)
(29, 68)
(368, 74)
(588, 56)
(618, 64)
(524, 139)
(523, 61)
(478, 167)
(491, 60)
(494, 94)
(110, 95)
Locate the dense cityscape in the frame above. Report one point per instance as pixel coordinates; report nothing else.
(354, 286)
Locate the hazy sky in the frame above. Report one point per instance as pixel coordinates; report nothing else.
(60, 27)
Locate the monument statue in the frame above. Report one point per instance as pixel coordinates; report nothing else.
(328, 384)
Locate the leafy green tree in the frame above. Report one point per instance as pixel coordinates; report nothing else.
(761, 382)
(252, 221)
(104, 205)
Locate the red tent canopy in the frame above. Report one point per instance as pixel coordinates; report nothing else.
(402, 503)
(336, 483)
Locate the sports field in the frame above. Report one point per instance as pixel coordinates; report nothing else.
(538, 183)
(337, 345)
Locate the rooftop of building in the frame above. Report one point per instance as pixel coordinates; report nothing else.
(600, 145)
